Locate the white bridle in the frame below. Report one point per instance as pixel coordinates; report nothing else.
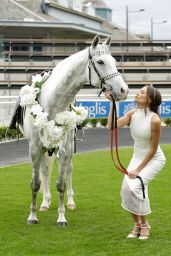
(102, 79)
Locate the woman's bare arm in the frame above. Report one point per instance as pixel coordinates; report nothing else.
(121, 122)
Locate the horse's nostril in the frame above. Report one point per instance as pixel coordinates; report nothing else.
(122, 90)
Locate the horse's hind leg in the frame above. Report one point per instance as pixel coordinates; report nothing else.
(35, 185)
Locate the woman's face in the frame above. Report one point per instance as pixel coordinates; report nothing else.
(141, 98)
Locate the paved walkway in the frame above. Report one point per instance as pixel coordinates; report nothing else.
(95, 139)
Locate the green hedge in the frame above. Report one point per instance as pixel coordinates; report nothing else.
(94, 121)
(6, 133)
(167, 121)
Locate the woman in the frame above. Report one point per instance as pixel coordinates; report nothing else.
(147, 160)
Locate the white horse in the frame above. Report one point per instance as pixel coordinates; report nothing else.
(94, 65)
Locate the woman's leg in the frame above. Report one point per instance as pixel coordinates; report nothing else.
(143, 220)
(145, 228)
(136, 218)
(137, 226)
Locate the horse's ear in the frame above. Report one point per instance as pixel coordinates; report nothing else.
(96, 41)
(108, 41)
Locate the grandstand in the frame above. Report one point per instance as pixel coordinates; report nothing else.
(37, 34)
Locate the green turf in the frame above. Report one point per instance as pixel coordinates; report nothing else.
(97, 227)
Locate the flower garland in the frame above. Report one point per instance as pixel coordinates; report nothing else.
(52, 133)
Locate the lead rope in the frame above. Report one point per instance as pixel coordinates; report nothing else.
(114, 135)
(114, 139)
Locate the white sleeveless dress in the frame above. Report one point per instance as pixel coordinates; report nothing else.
(131, 191)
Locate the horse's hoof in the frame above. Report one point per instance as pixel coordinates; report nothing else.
(43, 209)
(71, 206)
(62, 224)
(32, 221)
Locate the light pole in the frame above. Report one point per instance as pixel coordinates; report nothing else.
(152, 26)
(127, 22)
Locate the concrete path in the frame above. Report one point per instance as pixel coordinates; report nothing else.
(95, 139)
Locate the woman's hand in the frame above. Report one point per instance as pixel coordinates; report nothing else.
(108, 95)
(133, 174)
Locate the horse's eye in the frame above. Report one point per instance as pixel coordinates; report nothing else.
(100, 62)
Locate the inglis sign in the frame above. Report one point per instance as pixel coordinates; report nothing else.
(165, 108)
(96, 109)
(100, 109)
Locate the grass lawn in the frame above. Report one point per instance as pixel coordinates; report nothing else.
(98, 226)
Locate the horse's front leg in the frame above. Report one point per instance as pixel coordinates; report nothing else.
(61, 187)
(45, 175)
(35, 183)
(70, 193)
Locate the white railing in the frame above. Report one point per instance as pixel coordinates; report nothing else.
(7, 104)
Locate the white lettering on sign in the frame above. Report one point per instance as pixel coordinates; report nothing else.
(165, 108)
(95, 109)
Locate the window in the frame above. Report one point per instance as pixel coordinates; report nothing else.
(20, 47)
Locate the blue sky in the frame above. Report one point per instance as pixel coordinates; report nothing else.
(159, 10)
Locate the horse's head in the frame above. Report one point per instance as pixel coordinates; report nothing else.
(102, 70)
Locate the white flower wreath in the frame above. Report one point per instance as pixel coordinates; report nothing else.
(52, 133)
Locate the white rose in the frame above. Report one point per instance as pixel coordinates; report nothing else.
(36, 78)
(36, 109)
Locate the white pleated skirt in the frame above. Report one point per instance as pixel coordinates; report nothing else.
(132, 203)
(131, 190)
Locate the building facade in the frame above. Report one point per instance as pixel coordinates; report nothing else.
(37, 34)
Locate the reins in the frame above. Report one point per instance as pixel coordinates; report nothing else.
(114, 140)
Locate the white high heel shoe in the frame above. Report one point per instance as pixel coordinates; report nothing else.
(135, 232)
(145, 232)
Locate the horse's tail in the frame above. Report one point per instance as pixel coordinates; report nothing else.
(49, 160)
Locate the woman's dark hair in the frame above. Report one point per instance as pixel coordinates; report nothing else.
(154, 97)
